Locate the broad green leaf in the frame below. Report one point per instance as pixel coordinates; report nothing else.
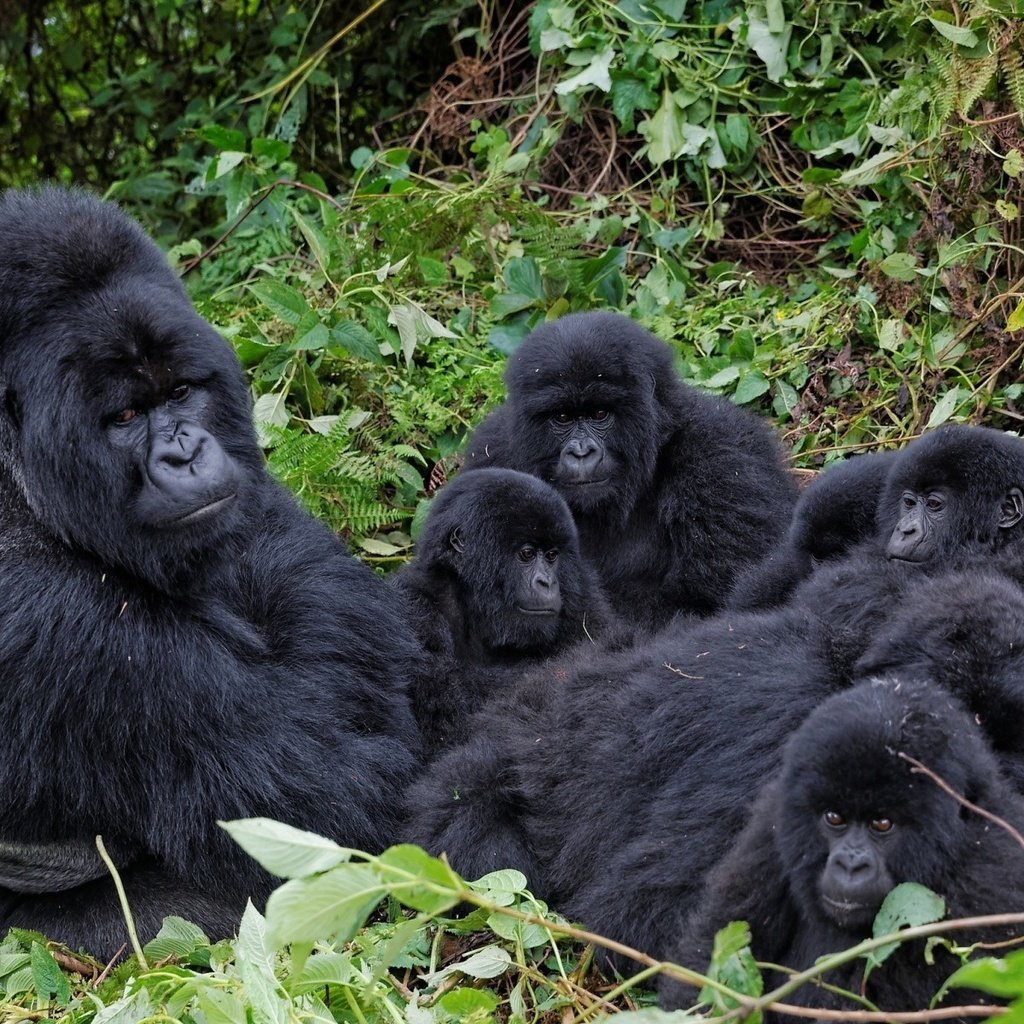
(723, 377)
(594, 74)
(176, 938)
(1002, 977)
(752, 385)
(315, 239)
(419, 881)
(282, 300)
(226, 162)
(268, 999)
(283, 850)
(769, 45)
(222, 138)
(357, 340)
(1014, 163)
(733, 964)
(522, 275)
(310, 333)
(489, 962)
(1015, 321)
(664, 131)
(891, 333)
(944, 408)
(868, 172)
(527, 933)
(907, 906)
(900, 266)
(378, 547)
(133, 1008)
(332, 905)
(461, 1002)
(47, 977)
(955, 33)
(324, 969)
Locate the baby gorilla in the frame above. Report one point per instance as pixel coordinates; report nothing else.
(497, 584)
(846, 820)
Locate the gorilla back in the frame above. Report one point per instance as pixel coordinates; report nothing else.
(179, 643)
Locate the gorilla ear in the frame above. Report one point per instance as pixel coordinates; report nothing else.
(1011, 511)
(455, 540)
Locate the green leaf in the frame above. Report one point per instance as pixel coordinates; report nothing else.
(222, 138)
(332, 905)
(733, 964)
(752, 385)
(177, 938)
(47, 977)
(507, 303)
(324, 969)
(226, 162)
(1014, 163)
(944, 408)
(891, 333)
(522, 275)
(723, 377)
(1002, 977)
(269, 1001)
(528, 934)
(461, 1002)
(489, 962)
(418, 877)
(506, 337)
(310, 333)
(907, 906)
(594, 74)
(900, 266)
(315, 239)
(664, 131)
(1015, 321)
(770, 45)
(356, 340)
(282, 300)
(629, 95)
(373, 546)
(283, 850)
(954, 33)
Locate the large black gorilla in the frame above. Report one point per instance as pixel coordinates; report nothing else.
(677, 736)
(178, 641)
(673, 491)
(834, 514)
(497, 584)
(846, 820)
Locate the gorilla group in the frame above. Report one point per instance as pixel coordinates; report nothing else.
(179, 643)
(674, 491)
(678, 735)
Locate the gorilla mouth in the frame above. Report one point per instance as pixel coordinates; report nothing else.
(587, 483)
(536, 611)
(204, 511)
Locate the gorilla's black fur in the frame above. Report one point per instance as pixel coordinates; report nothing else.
(674, 491)
(846, 820)
(497, 584)
(835, 513)
(178, 641)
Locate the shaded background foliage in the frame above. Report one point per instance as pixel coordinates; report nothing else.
(817, 204)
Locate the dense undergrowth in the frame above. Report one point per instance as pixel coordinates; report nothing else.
(818, 204)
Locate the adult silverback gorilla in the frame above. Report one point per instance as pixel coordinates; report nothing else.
(497, 584)
(847, 819)
(833, 515)
(179, 643)
(673, 491)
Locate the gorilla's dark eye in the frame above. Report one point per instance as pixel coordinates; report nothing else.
(834, 820)
(180, 393)
(562, 417)
(882, 825)
(125, 416)
(909, 500)
(526, 553)
(599, 415)
(552, 555)
(936, 503)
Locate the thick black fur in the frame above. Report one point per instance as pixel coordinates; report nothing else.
(845, 759)
(462, 587)
(835, 513)
(696, 487)
(157, 677)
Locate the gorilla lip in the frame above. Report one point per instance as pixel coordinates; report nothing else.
(536, 611)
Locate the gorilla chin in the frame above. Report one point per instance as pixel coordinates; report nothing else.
(847, 915)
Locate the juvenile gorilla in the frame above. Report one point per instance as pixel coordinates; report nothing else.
(497, 585)
(673, 491)
(833, 515)
(179, 643)
(846, 820)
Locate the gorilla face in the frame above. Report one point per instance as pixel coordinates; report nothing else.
(126, 423)
(590, 393)
(956, 490)
(854, 820)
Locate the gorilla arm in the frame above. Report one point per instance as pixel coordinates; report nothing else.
(54, 867)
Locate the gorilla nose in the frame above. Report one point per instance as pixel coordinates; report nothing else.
(581, 448)
(857, 865)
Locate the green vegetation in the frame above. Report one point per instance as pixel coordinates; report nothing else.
(819, 204)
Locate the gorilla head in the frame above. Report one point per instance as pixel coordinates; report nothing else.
(855, 820)
(958, 490)
(504, 543)
(134, 458)
(593, 393)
